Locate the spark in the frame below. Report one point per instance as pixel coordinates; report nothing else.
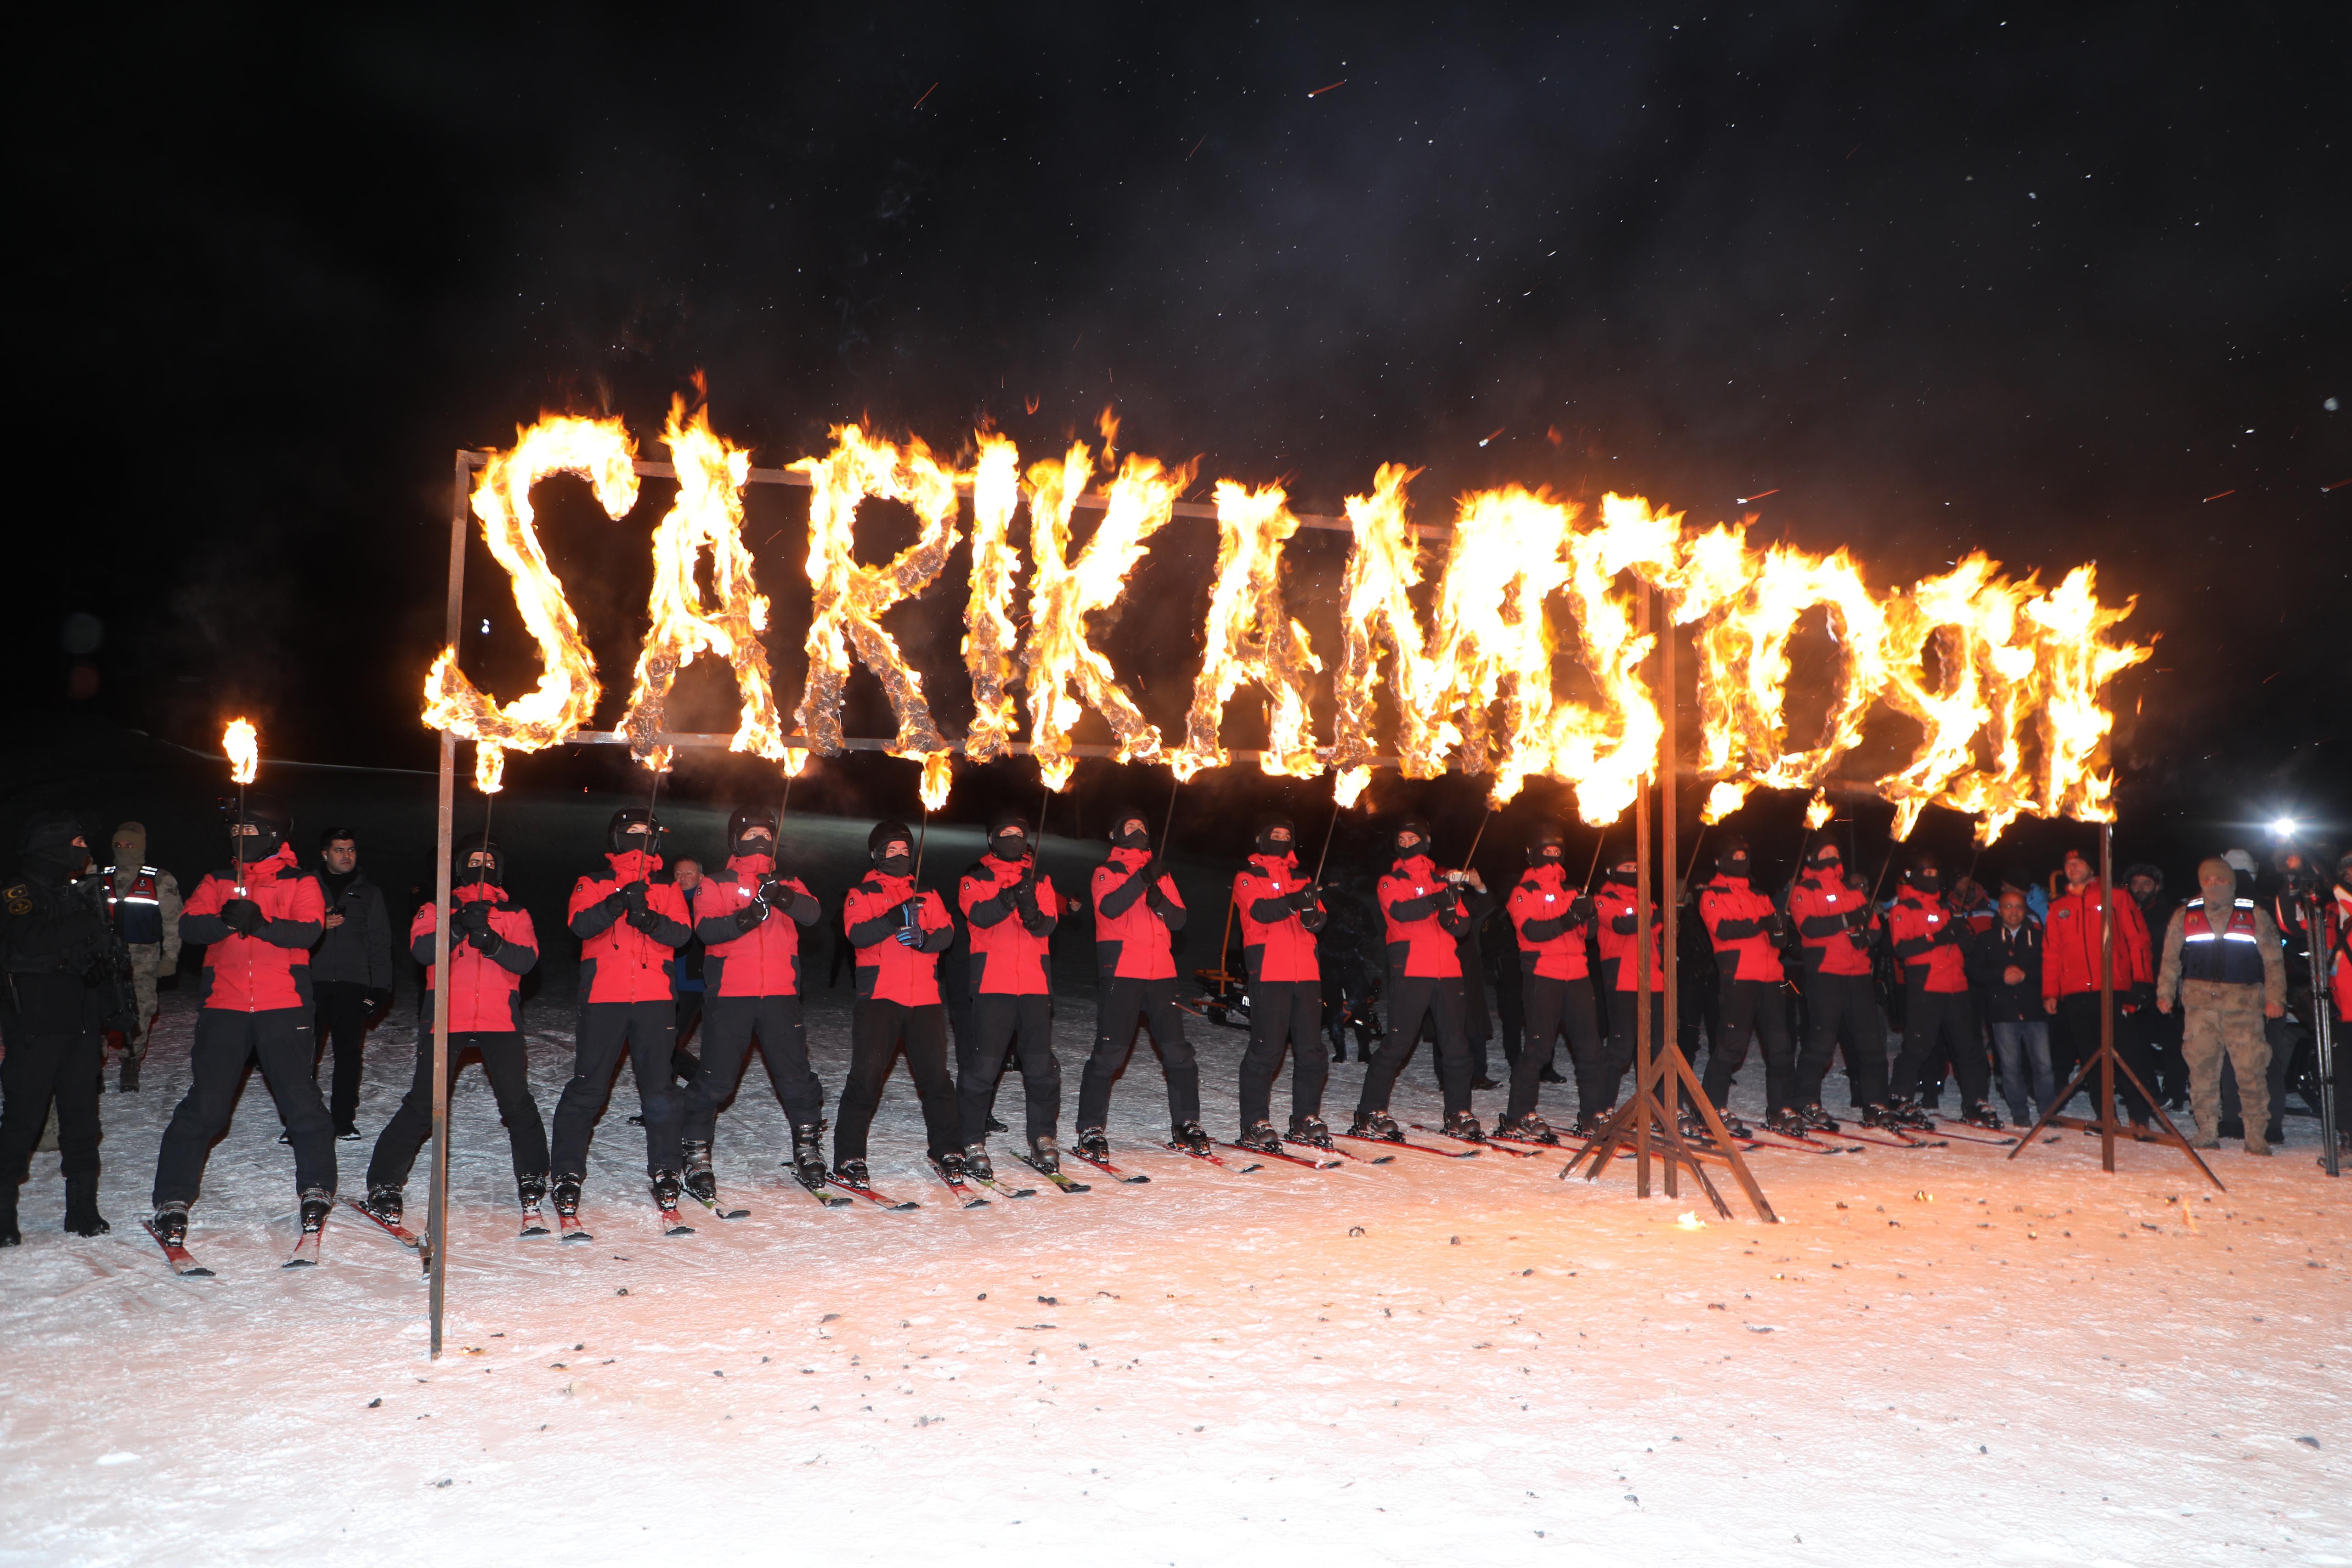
(1743, 500)
(1319, 91)
(927, 93)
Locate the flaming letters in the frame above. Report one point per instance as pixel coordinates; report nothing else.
(1249, 638)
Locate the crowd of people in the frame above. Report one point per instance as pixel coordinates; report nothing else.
(2212, 997)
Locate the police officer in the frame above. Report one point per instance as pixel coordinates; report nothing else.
(145, 904)
(63, 990)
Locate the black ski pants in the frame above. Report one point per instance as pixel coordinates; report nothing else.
(507, 1068)
(1758, 1009)
(344, 1015)
(2080, 1013)
(1947, 1020)
(1002, 1026)
(1124, 1003)
(226, 1041)
(1413, 998)
(1622, 1022)
(1554, 1007)
(877, 1032)
(1844, 1014)
(645, 1031)
(41, 1067)
(1284, 1013)
(729, 1027)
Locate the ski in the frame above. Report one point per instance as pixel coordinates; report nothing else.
(571, 1230)
(1529, 1145)
(533, 1222)
(391, 1228)
(673, 1223)
(184, 1262)
(870, 1195)
(965, 1197)
(306, 1249)
(1803, 1142)
(830, 1200)
(1208, 1159)
(1344, 1154)
(1895, 1139)
(1058, 1178)
(1976, 1137)
(1324, 1165)
(1105, 1166)
(712, 1204)
(1470, 1152)
(1524, 1151)
(994, 1185)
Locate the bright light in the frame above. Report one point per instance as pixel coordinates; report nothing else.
(2284, 828)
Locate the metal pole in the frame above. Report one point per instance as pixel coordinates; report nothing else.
(1642, 1003)
(2108, 999)
(1669, 998)
(437, 1225)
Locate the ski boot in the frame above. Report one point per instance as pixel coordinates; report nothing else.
(976, 1161)
(9, 1235)
(1587, 1124)
(567, 1197)
(1911, 1119)
(530, 1191)
(1735, 1126)
(1310, 1130)
(996, 1127)
(1463, 1126)
(665, 1188)
(1818, 1120)
(701, 1179)
(1092, 1145)
(951, 1168)
(1191, 1137)
(1531, 1128)
(1982, 1114)
(385, 1201)
(1551, 1075)
(853, 1172)
(1261, 1137)
(1885, 1118)
(1046, 1155)
(171, 1224)
(316, 1205)
(808, 1155)
(1378, 1125)
(1789, 1123)
(82, 1218)
(129, 1076)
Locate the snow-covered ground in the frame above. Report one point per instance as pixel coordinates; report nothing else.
(1940, 1356)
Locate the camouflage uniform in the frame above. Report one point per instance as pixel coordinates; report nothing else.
(2225, 964)
(149, 960)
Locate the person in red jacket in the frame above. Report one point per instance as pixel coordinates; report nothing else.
(1931, 941)
(1425, 914)
(1616, 938)
(1554, 923)
(749, 917)
(1280, 913)
(1835, 922)
(1137, 908)
(1011, 911)
(899, 934)
(257, 921)
(631, 921)
(1746, 929)
(2070, 984)
(492, 946)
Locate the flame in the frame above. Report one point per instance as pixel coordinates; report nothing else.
(2074, 662)
(707, 515)
(1610, 753)
(1491, 642)
(989, 636)
(1688, 1219)
(849, 600)
(565, 698)
(1249, 637)
(1968, 616)
(1382, 569)
(1817, 810)
(938, 777)
(1064, 592)
(243, 744)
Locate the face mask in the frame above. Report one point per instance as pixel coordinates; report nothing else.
(753, 844)
(895, 865)
(1830, 869)
(1622, 876)
(1928, 881)
(1267, 844)
(1547, 854)
(1010, 846)
(469, 875)
(1735, 866)
(1405, 852)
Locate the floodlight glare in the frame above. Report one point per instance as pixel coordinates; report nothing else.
(2283, 828)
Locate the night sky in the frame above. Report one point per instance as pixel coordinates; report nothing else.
(2064, 284)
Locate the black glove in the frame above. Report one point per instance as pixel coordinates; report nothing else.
(773, 893)
(644, 920)
(1857, 919)
(1947, 934)
(486, 941)
(2143, 994)
(242, 916)
(633, 897)
(1153, 870)
(1304, 899)
(615, 903)
(1580, 910)
(379, 997)
(907, 936)
(752, 914)
(1776, 925)
(472, 917)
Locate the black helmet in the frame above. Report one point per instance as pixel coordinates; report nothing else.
(1925, 874)
(462, 874)
(1008, 835)
(1616, 858)
(1410, 825)
(744, 818)
(1548, 844)
(1267, 844)
(1138, 839)
(1731, 856)
(1823, 845)
(47, 846)
(270, 821)
(617, 832)
(884, 833)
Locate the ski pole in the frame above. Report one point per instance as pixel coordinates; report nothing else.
(922, 838)
(1322, 858)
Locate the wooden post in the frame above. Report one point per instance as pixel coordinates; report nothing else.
(436, 1227)
(1642, 1002)
(2108, 999)
(1668, 859)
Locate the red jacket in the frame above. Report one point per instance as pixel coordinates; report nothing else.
(2071, 940)
(1820, 909)
(1735, 914)
(888, 969)
(1010, 947)
(272, 970)
(1619, 938)
(1930, 940)
(1276, 941)
(1538, 910)
(1423, 912)
(485, 993)
(764, 961)
(2338, 940)
(1133, 922)
(619, 963)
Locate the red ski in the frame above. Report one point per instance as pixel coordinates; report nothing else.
(184, 1262)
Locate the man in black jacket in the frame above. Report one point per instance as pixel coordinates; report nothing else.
(351, 971)
(2004, 970)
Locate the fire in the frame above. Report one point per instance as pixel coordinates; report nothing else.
(1250, 638)
(243, 744)
(1491, 641)
(1064, 592)
(1382, 569)
(1968, 616)
(2075, 661)
(849, 600)
(707, 515)
(1817, 810)
(565, 698)
(1609, 754)
(989, 636)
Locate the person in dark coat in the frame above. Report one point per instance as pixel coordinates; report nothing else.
(2004, 970)
(351, 971)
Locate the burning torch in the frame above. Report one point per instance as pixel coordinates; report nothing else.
(242, 742)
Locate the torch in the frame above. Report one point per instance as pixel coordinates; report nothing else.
(243, 745)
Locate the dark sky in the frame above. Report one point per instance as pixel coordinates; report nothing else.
(2033, 279)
